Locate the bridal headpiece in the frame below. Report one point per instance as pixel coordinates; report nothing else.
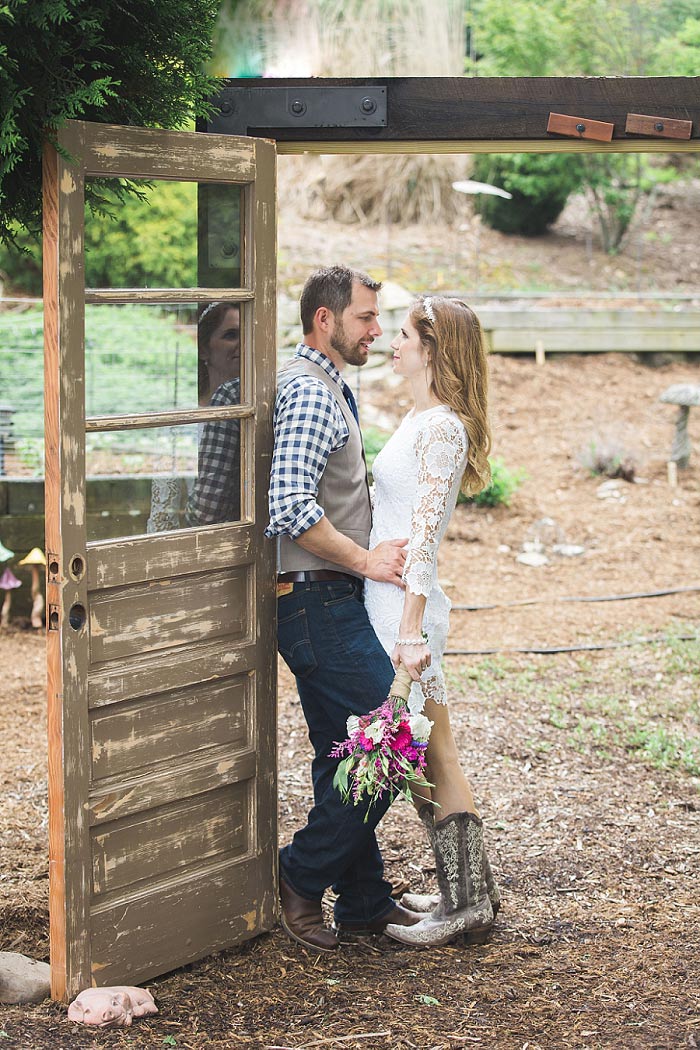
(428, 307)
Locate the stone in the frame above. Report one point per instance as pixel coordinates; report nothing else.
(533, 558)
(23, 980)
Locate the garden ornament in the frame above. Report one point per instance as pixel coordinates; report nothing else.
(34, 559)
(685, 395)
(5, 554)
(8, 582)
(111, 1007)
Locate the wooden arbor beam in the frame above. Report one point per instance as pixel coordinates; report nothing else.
(445, 114)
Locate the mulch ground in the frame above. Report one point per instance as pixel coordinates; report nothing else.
(595, 843)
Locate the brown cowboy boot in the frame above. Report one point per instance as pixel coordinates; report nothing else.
(302, 920)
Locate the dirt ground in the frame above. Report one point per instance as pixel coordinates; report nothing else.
(595, 843)
(586, 762)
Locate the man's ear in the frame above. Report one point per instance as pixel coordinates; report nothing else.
(323, 318)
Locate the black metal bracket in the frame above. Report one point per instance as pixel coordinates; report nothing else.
(317, 106)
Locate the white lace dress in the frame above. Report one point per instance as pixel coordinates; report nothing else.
(416, 482)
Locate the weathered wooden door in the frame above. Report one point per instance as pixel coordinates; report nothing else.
(160, 595)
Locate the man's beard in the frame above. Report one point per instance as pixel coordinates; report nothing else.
(351, 353)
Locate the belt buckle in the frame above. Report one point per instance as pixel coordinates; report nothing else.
(284, 588)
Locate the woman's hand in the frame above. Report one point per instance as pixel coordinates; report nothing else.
(415, 658)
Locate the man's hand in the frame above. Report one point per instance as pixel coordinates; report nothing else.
(385, 562)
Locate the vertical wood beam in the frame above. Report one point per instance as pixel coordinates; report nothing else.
(264, 259)
(67, 651)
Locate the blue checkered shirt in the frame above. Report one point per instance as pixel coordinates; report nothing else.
(308, 426)
(216, 495)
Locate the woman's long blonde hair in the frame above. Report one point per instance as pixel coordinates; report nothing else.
(451, 333)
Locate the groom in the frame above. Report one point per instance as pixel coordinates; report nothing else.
(320, 512)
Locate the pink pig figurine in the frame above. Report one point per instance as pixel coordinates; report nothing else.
(111, 1007)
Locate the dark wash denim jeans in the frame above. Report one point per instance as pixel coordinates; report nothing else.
(341, 669)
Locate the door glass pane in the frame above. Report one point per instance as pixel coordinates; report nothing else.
(158, 479)
(143, 358)
(173, 235)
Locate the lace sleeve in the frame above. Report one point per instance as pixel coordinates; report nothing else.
(440, 450)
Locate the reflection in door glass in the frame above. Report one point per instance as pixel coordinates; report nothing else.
(219, 355)
(159, 479)
(153, 358)
(175, 235)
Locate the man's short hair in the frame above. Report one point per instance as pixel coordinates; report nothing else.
(330, 287)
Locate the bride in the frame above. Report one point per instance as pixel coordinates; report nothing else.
(440, 447)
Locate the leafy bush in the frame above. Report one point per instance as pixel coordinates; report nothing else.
(607, 457)
(540, 185)
(504, 484)
(145, 241)
(374, 441)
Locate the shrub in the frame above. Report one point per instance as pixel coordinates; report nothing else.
(374, 441)
(607, 457)
(504, 484)
(540, 185)
(150, 240)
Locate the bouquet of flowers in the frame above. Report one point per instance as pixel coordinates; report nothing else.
(384, 750)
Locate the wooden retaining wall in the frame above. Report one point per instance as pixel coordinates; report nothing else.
(581, 330)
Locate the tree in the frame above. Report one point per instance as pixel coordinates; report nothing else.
(139, 62)
(523, 38)
(681, 52)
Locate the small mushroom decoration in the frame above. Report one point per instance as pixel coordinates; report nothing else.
(685, 395)
(8, 582)
(5, 554)
(34, 559)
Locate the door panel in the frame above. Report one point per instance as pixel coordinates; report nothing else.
(161, 669)
(198, 915)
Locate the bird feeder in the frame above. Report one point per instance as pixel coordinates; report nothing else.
(8, 582)
(34, 559)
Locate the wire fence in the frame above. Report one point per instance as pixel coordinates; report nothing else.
(142, 359)
(138, 359)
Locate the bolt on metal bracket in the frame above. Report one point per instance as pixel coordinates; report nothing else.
(318, 106)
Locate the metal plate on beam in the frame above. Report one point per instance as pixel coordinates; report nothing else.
(317, 106)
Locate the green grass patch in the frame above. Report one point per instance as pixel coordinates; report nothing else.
(640, 704)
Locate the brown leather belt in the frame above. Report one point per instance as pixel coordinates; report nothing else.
(316, 576)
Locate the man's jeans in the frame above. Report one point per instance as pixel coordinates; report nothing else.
(341, 669)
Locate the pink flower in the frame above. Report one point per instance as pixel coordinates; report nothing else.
(403, 737)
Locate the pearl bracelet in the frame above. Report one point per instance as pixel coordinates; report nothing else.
(410, 641)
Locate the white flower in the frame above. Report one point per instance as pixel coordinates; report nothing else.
(353, 724)
(420, 728)
(375, 731)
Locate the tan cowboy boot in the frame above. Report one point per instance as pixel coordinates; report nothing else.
(423, 902)
(464, 909)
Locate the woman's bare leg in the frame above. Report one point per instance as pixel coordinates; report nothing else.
(452, 791)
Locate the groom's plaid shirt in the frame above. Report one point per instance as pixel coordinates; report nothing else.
(308, 426)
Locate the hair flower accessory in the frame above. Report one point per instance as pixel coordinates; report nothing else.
(384, 750)
(428, 307)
